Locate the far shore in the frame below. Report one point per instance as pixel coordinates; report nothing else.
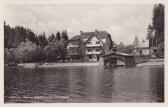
(50, 65)
(150, 62)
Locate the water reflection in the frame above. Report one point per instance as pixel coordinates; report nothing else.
(86, 84)
(157, 84)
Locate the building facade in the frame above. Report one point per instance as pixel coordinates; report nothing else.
(145, 51)
(89, 46)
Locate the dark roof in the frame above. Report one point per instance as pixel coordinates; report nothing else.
(86, 35)
(75, 37)
(118, 53)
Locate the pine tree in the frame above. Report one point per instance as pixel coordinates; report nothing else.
(58, 36)
(65, 35)
(150, 35)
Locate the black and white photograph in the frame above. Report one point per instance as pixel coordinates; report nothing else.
(84, 53)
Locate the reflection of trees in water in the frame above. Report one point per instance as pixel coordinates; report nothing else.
(52, 82)
(94, 77)
(88, 84)
(10, 81)
(91, 84)
(157, 84)
(38, 75)
(107, 85)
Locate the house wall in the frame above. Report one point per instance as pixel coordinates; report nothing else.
(145, 51)
(74, 47)
(74, 44)
(93, 49)
(141, 51)
(92, 42)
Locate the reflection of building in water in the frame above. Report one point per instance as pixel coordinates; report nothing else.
(77, 84)
(132, 86)
(89, 46)
(85, 84)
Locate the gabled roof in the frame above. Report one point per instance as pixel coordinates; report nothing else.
(75, 37)
(86, 35)
(118, 53)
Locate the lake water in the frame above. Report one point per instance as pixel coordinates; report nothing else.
(84, 84)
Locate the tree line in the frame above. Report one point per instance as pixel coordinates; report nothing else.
(155, 31)
(23, 45)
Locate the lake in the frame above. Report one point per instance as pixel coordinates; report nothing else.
(84, 84)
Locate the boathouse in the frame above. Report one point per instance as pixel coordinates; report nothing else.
(119, 59)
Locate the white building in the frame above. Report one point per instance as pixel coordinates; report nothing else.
(90, 45)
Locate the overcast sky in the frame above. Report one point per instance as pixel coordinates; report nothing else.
(123, 22)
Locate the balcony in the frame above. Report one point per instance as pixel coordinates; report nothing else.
(72, 46)
(93, 52)
(93, 45)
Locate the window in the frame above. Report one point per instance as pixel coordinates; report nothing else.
(97, 42)
(89, 42)
(97, 50)
(89, 50)
(90, 56)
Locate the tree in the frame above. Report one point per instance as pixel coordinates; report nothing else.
(14, 36)
(65, 35)
(42, 40)
(150, 35)
(8, 36)
(158, 23)
(120, 47)
(58, 36)
(156, 30)
(9, 55)
(53, 51)
(28, 51)
(51, 37)
(129, 49)
(125, 48)
(30, 36)
(160, 52)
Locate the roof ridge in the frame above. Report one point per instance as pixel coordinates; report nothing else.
(86, 35)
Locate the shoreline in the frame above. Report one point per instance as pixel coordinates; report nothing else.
(150, 62)
(52, 65)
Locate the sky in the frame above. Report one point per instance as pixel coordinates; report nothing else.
(123, 22)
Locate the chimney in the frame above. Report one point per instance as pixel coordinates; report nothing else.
(96, 31)
(81, 31)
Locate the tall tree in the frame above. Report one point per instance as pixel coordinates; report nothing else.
(42, 40)
(58, 36)
(65, 35)
(150, 35)
(8, 36)
(52, 50)
(14, 36)
(158, 23)
(51, 37)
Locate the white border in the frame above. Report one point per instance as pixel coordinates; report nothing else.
(30, 2)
